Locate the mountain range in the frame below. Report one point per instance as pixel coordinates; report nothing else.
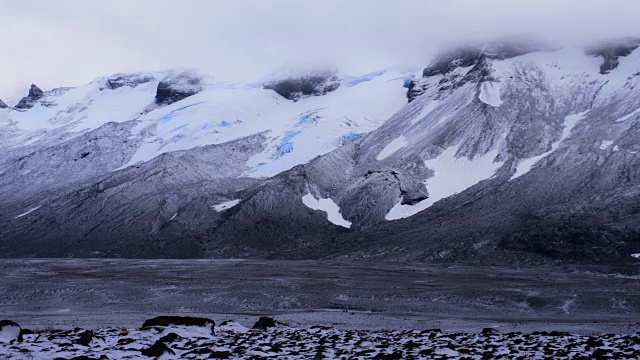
(505, 153)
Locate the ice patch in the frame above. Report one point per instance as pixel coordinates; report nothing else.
(392, 147)
(426, 110)
(226, 205)
(490, 93)
(636, 256)
(174, 216)
(451, 176)
(525, 165)
(348, 138)
(328, 206)
(628, 116)
(28, 212)
(605, 144)
(366, 77)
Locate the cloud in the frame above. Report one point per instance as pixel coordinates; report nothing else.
(70, 42)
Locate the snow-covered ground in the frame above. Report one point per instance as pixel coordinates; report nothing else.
(234, 341)
(395, 145)
(451, 175)
(296, 131)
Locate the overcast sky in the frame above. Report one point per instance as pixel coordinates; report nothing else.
(67, 43)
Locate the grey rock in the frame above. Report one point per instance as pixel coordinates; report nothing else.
(613, 50)
(30, 100)
(296, 88)
(132, 80)
(176, 87)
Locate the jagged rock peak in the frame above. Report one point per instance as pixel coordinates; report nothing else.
(27, 102)
(3, 105)
(470, 55)
(478, 57)
(612, 50)
(132, 80)
(296, 87)
(177, 86)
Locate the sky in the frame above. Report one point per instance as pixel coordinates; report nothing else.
(71, 42)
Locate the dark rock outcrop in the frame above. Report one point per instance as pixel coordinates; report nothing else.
(177, 87)
(3, 105)
(131, 80)
(85, 338)
(612, 51)
(179, 320)
(264, 323)
(169, 338)
(157, 349)
(465, 56)
(296, 88)
(27, 102)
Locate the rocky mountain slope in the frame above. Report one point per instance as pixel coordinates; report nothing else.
(506, 153)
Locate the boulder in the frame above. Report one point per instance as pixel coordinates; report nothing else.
(10, 331)
(85, 338)
(169, 338)
(157, 349)
(165, 321)
(264, 323)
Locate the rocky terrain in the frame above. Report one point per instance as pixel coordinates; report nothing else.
(185, 338)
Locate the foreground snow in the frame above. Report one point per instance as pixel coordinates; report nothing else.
(233, 341)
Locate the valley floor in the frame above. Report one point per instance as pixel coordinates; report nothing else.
(384, 307)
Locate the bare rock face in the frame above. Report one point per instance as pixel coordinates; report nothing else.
(612, 51)
(296, 88)
(174, 88)
(3, 105)
(27, 102)
(131, 80)
(476, 56)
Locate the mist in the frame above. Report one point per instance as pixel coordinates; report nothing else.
(68, 43)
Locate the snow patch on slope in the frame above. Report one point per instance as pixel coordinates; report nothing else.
(392, 147)
(570, 122)
(605, 144)
(226, 205)
(451, 176)
(328, 206)
(490, 93)
(628, 116)
(28, 211)
(426, 110)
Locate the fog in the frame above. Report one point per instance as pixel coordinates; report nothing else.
(67, 43)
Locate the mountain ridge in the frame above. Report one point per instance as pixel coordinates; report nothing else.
(502, 155)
